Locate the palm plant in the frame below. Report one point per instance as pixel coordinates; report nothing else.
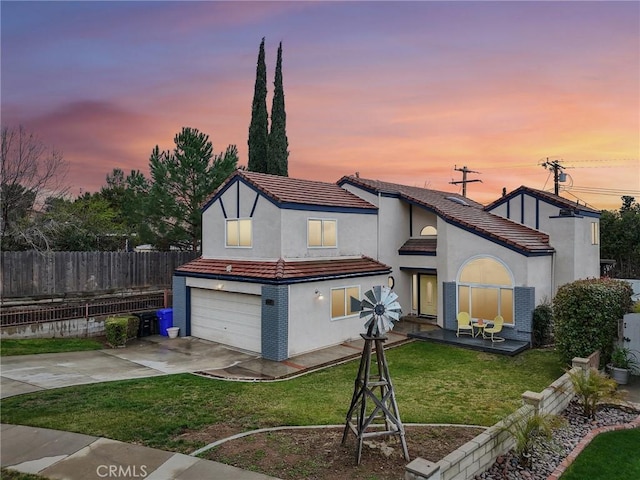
(526, 431)
(591, 387)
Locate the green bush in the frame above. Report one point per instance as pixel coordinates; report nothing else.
(119, 329)
(542, 321)
(586, 315)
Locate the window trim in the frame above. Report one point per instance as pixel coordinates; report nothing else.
(322, 221)
(346, 305)
(237, 222)
(499, 287)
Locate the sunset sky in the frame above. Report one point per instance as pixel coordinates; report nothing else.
(399, 91)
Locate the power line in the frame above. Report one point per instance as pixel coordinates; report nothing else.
(464, 180)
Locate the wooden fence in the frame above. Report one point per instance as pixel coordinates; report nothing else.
(59, 274)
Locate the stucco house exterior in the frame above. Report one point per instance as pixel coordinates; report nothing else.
(281, 257)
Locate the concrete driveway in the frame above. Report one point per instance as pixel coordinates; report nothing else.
(147, 357)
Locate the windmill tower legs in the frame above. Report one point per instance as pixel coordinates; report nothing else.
(373, 399)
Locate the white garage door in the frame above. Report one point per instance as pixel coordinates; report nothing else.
(228, 318)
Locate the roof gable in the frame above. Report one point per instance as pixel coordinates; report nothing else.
(548, 197)
(294, 193)
(464, 213)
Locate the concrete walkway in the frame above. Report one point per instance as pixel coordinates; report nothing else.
(64, 455)
(158, 355)
(72, 456)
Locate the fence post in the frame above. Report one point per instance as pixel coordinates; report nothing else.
(165, 299)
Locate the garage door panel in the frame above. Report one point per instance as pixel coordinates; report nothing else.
(230, 318)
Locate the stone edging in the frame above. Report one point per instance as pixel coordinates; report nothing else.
(568, 460)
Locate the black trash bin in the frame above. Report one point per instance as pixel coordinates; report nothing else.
(148, 324)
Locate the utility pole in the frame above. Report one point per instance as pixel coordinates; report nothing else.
(464, 180)
(555, 167)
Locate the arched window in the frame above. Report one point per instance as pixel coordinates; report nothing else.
(428, 230)
(485, 289)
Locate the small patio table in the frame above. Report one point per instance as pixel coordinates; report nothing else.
(479, 324)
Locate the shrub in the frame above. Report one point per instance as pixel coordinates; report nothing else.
(542, 321)
(119, 329)
(586, 315)
(591, 387)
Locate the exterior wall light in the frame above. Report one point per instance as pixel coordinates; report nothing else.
(319, 295)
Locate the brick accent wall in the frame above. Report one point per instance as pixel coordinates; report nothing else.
(449, 305)
(275, 322)
(180, 303)
(524, 303)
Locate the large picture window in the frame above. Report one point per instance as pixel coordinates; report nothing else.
(485, 289)
(321, 232)
(239, 233)
(341, 301)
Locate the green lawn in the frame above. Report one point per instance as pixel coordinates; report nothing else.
(47, 345)
(6, 474)
(434, 384)
(611, 455)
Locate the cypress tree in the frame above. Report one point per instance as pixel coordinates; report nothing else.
(278, 154)
(259, 128)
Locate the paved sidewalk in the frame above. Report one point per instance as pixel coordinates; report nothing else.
(73, 456)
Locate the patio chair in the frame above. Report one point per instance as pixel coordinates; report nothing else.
(490, 332)
(464, 324)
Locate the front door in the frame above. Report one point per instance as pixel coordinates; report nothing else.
(428, 287)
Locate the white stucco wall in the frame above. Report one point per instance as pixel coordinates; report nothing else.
(266, 225)
(576, 256)
(282, 232)
(310, 324)
(356, 234)
(457, 246)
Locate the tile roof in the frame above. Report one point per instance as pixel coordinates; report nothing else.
(287, 190)
(549, 197)
(282, 271)
(464, 213)
(419, 246)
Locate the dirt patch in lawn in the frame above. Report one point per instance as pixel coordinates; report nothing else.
(318, 454)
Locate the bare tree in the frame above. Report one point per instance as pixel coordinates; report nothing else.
(30, 173)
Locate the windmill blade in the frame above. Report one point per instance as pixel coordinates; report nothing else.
(371, 296)
(377, 291)
(384, 294)
(356, 305)
(393, 315)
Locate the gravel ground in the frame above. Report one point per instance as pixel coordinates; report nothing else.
(548, 455)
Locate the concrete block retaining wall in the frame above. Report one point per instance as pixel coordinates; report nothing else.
(77, 327)
(478, 454)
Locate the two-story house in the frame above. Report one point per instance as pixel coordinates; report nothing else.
(281, 258)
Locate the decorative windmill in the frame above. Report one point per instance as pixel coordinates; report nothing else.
(374, 402)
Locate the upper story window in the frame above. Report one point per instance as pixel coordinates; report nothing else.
(341, 301)
(239, 233)
(428, 230)
(322, 232)
(595, 233)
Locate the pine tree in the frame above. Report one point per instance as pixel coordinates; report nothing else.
(278, 154)
(259, 128)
